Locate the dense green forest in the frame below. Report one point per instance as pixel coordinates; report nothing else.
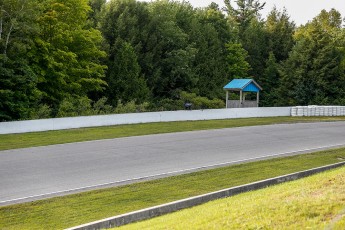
(80, 57)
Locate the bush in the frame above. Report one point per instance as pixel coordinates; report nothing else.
(201, 102)
(131, 107)
(71, 107)
(167, 104)
(41, 112)
(100, 107)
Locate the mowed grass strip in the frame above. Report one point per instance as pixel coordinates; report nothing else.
(72, 210)
(316, 202)
(14, 141)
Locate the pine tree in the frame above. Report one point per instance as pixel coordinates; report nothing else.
(124, 80)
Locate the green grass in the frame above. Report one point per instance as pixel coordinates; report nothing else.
(68, 211)
(14, 141)
(316, 202)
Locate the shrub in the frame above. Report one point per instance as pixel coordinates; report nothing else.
(201, 102)
(167, 104)
(100, 107)
(41, 112)
(71, 107)
(131, 107)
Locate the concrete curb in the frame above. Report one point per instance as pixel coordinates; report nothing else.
(197, 200)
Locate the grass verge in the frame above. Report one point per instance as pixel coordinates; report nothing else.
(63, 212)
(14, 141)
(316, 202)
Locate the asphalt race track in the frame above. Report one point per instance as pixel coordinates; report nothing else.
(39, 172)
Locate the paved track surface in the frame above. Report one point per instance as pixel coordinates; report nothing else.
(35, 173)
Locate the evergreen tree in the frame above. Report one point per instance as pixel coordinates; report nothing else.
(95, 13)
(251, 33)
(244, 13)
(254, 40)
(280, 31)
(211, 32)
(270, 82)
(314, 71)
(124, 80)
(279, 34)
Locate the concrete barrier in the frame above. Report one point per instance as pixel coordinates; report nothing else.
(148, 213)
(135, 118)
(315, 111)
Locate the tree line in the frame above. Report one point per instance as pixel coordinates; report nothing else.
(81, 57)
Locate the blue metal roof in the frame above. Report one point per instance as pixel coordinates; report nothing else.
(246, 85)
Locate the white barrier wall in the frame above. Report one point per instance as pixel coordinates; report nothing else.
(135, 118)
(315, 111)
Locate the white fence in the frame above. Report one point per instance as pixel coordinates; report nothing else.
(315, 111)
(135, 118)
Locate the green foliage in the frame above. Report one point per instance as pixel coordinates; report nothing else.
(41, 111)
(18, 81)
(167, 104)
(71, 107)
(68, 60)
(164, 51)
(280, 32)
(201, 102)
(131, 107)
(101, 107)
(171, 55)
(211, 31)
(52, 50)
(17, 24)
(183, 97)
(254, 40)
(95, 13)
(83, 106)
(314, 72)
(270, 82)
(238, 67)
(124, 80)
(245, 11)
(18, 91)
(47, 55)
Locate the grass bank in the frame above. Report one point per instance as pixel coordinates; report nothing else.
(316, 202)
(68, 211)
(14, 141)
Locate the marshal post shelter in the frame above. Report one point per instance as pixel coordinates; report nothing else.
(243, 87)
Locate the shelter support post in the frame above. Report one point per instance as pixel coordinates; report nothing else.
(257, 98)
(227, 99)
(241, 98)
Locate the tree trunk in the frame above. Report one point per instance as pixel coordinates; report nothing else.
(0, 28)
(1, 23)
(8, 38)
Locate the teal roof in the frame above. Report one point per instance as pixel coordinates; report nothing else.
(246, 85)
